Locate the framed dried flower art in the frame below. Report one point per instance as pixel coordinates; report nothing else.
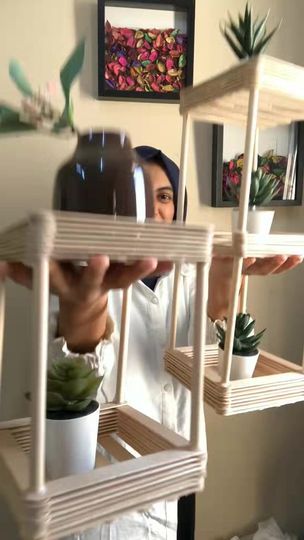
(280, 154)
(145, 49)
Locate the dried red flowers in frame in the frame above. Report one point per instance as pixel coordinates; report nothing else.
(145, 62)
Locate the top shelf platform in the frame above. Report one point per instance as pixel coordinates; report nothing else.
(224, 98)
(78, 236)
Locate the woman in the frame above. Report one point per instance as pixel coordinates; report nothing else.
(88, 321)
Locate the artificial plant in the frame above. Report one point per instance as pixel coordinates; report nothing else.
(245, 342)
(263, 188)
(248, 37)
(71, 385)
(36, 111)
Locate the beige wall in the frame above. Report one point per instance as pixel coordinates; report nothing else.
(255, 462)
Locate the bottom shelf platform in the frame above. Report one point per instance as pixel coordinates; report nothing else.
(275, 382)
(166, 469)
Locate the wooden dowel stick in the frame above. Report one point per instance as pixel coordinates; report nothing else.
(244, 289)
(242, 223)
(179, 217)
(123, 345)
(38, 387)
(197, 404)
(244, 295)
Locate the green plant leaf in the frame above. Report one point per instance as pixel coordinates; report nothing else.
(262, 45)
(55, 402)
(248, 33)
(20, 80)
(233, 45)
(68, 73)
(78, 406)
(254, 188)
(241, 23)
(260, 29)
(235, 30)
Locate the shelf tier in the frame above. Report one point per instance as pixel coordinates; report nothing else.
(224, 98)
(275, 382)
(256, 245)
(166, 469)
(77, 236)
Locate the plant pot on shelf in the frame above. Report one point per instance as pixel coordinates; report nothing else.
(72, 417)
(71, 440)
(259, 220)
(242, 367)
(245, 350)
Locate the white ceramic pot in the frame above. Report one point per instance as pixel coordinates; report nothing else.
(242, 367)
(259, 220)
(71, 444)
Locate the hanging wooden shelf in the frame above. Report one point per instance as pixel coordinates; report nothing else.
(255, 245)
(166, 465)
(275, 381)
(166, 468)
(224, 98)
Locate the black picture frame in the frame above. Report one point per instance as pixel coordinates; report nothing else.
(186, 6)
(217, 170)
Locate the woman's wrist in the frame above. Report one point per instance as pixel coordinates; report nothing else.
(83, 326)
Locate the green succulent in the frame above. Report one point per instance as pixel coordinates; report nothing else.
(247, 37)
(244, 343)
(71, 385)
(263, 188)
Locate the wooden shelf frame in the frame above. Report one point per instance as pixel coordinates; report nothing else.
(168, 466)
(225, 97)
(259, 93)
(276, 381)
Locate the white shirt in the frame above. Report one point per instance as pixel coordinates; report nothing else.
(148, 387)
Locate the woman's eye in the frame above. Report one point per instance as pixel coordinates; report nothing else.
(165, 197)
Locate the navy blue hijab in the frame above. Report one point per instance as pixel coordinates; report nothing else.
(149, 153)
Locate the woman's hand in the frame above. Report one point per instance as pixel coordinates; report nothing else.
(221, 274)
(83, 293)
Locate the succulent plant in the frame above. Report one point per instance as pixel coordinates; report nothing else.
(263, 188)
(245, 343)
(247, 37)
(71, 385)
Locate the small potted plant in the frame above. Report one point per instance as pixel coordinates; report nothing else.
(245, 351)
(247, 37)
(72, 417)
(263, 189)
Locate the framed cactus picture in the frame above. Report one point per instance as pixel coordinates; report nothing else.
(280, 158)
(145, 49)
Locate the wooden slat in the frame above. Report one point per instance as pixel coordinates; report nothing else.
(15, 460)
(114, 448)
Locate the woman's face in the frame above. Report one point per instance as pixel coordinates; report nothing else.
(162, 193)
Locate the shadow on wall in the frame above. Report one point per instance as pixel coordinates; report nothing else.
(202, 134)
(86, 27)
(255, 470)
(7, 523)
